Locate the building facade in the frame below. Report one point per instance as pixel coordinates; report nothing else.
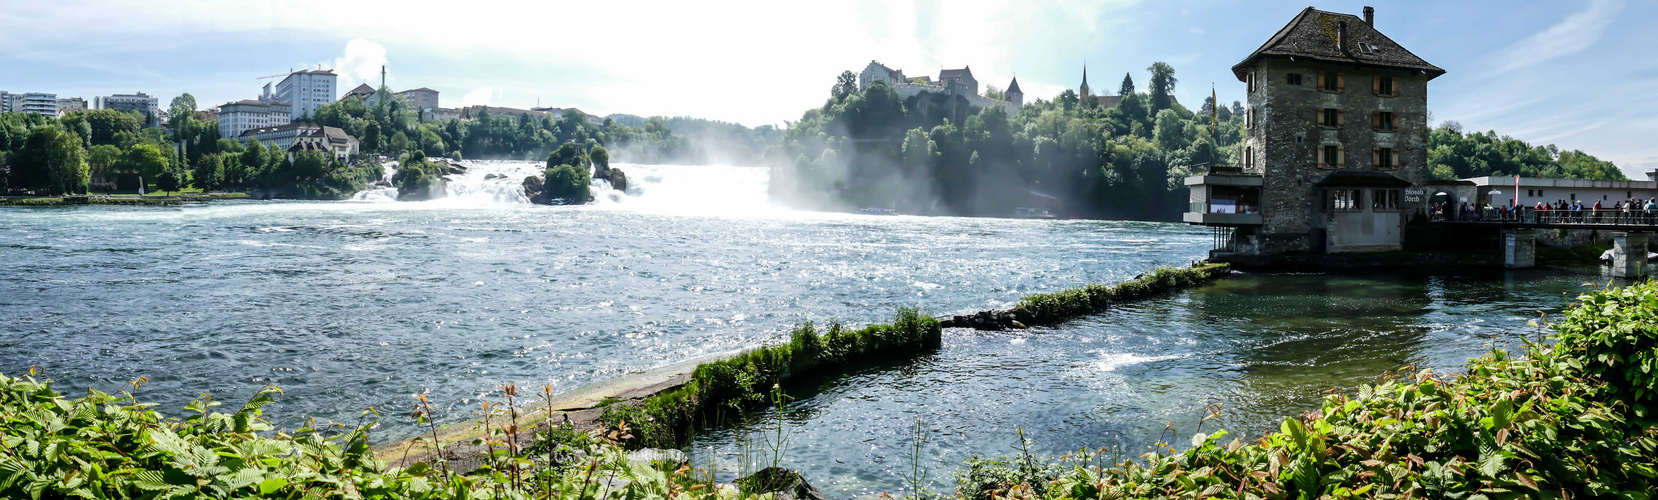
(422, 98)
(363, 91)
(304, 91)
(1335, 151)
(146, 104)
(241, 116)
(877, 72)
(960, 79)
(68, 105)
(283, 137)
(39, 103)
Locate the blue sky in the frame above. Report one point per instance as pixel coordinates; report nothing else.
(1580, 74)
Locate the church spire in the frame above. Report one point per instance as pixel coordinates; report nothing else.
(1084, 89)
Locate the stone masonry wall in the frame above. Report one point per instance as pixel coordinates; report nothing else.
(1285, 135)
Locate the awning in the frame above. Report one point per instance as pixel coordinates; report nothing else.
(1364, 178)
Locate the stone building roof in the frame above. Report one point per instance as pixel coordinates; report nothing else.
(417, 90)
(948, 74)
(1013, 87)
(362, 90)
(1313, 34)
(1367, 178)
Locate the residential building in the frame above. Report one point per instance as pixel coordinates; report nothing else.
(244, 115)
(331, 140)
(363, 91)
(5, 102)
(960, 80)
(148, 105)
(1313, 177)
(284, 136)
(877, 72)
(440, 114)
(39, 103)
(422, 98)
(305, 91)
(68, 105)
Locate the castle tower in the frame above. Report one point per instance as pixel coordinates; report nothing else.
(1014, 96)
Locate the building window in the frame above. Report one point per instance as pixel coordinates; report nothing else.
(1332, 156)
(1344, 200)
(1384, 200)
(1383, 86)
(1249, 79)
(1383, 121)
(1332, 118)
(1331, 81)
(1293, 79)
(1384, 159)
(1249, 156)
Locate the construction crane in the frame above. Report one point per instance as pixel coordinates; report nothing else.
(271, 76)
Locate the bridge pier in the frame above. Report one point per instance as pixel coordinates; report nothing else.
(1629, 253)
(1519, 248)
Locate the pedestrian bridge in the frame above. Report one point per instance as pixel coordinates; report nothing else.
(1630, 232)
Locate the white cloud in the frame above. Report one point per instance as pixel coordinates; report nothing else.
(1572, 35)
(480, 96)
(360, 63)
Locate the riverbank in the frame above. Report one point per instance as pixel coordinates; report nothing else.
(119, 200)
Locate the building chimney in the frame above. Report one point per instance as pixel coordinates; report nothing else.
(1370, 16)
(1341, 36)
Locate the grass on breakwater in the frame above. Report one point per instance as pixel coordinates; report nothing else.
(740, 383)
(1055, 307)
(1568, 420)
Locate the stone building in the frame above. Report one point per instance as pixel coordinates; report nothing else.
(877, 72)
(961, 80)
(1335, 151)
(1014, 97)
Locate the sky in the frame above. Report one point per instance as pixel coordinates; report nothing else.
(1580, 73)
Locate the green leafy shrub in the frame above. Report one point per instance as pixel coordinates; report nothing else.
(1049, 308)
(1542, 425)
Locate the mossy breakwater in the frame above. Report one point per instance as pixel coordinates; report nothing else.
(662, 408)
(127, 201)
(1055, 307)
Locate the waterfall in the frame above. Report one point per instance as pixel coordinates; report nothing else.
(662, 189)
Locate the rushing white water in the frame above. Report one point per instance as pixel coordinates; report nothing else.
(703, 190)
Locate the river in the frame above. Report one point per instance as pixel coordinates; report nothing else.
(364, 303)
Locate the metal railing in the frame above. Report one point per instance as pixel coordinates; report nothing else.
(1531, 215)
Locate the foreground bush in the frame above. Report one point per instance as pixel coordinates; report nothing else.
(1554, 423)
(113, 446)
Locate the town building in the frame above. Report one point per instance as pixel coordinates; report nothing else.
(244, 115)
(877, 72)
(310, 136)
(440, 114)
(304, 91)
(960, 81)
(1328, 164)
(363, 91)
(146, 104)
(68, 105)
(422, 98)
(5, 102)
(39, 103)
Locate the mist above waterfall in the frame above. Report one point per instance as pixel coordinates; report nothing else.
(705, 190)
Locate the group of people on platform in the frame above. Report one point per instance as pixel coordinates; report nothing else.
(1631, 211)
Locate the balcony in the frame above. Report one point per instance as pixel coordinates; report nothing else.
(1224, 199)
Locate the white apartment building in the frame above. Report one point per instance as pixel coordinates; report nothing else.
(68, 105)
(245, 115)
(305, 91)
(39, 103)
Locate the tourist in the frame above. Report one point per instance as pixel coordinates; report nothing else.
(1597, 211)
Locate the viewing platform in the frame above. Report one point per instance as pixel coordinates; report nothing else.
(1631, 230)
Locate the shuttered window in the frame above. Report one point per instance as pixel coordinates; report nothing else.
(1331, 118)
(1332, 156)
(1331, 81)
(1383, 121)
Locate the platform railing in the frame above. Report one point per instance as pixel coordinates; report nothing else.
(1532, 215)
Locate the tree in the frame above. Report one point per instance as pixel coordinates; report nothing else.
(146, 160)
(253, 160)
(1162, 85)
(209, 174)
(371, 136)
(101, 160)
(1067, 100)
(167, 182)
(51, 163)
(416, 177)
(919, 151)
(846, 84)
(567, 182)
(568, 154)
(1128, 85)
(184, 103)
